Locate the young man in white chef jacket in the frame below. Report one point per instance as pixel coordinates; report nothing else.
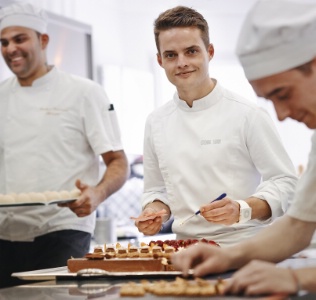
(207, 141)
(53, 128)
(277, 49)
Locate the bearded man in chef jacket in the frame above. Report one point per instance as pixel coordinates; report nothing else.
(53, 128)
(207, 141)
(277, 49)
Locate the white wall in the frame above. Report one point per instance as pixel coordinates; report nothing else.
(125, 59)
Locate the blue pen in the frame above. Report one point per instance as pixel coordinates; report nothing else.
(198, 212)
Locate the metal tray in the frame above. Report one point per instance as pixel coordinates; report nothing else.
(63, 273)
(37, 203)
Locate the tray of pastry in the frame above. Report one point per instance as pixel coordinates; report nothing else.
(147, 259)
(33, 198)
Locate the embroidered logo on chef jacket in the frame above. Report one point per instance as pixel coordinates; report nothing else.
(210, 142)
(53, 110)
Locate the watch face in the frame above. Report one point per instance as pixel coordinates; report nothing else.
(246, 213)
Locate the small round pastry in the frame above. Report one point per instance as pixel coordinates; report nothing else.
(7, 199)
(53, 196)
(133, 251)
(22, 198)
(75, 193)
(98, 249)
(157, 251)
(96, 254)
(65, 195)
(145, 251)
(47, 195)
(37, 197)
(12, 195)
(110, 249)
(121, 252)
(169, 250)
(110, 252)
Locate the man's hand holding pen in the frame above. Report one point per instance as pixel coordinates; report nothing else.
(225, 211)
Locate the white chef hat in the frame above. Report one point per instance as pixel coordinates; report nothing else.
(24, 15)
(277, 35)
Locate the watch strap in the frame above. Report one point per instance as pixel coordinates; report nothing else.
(243, 206)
